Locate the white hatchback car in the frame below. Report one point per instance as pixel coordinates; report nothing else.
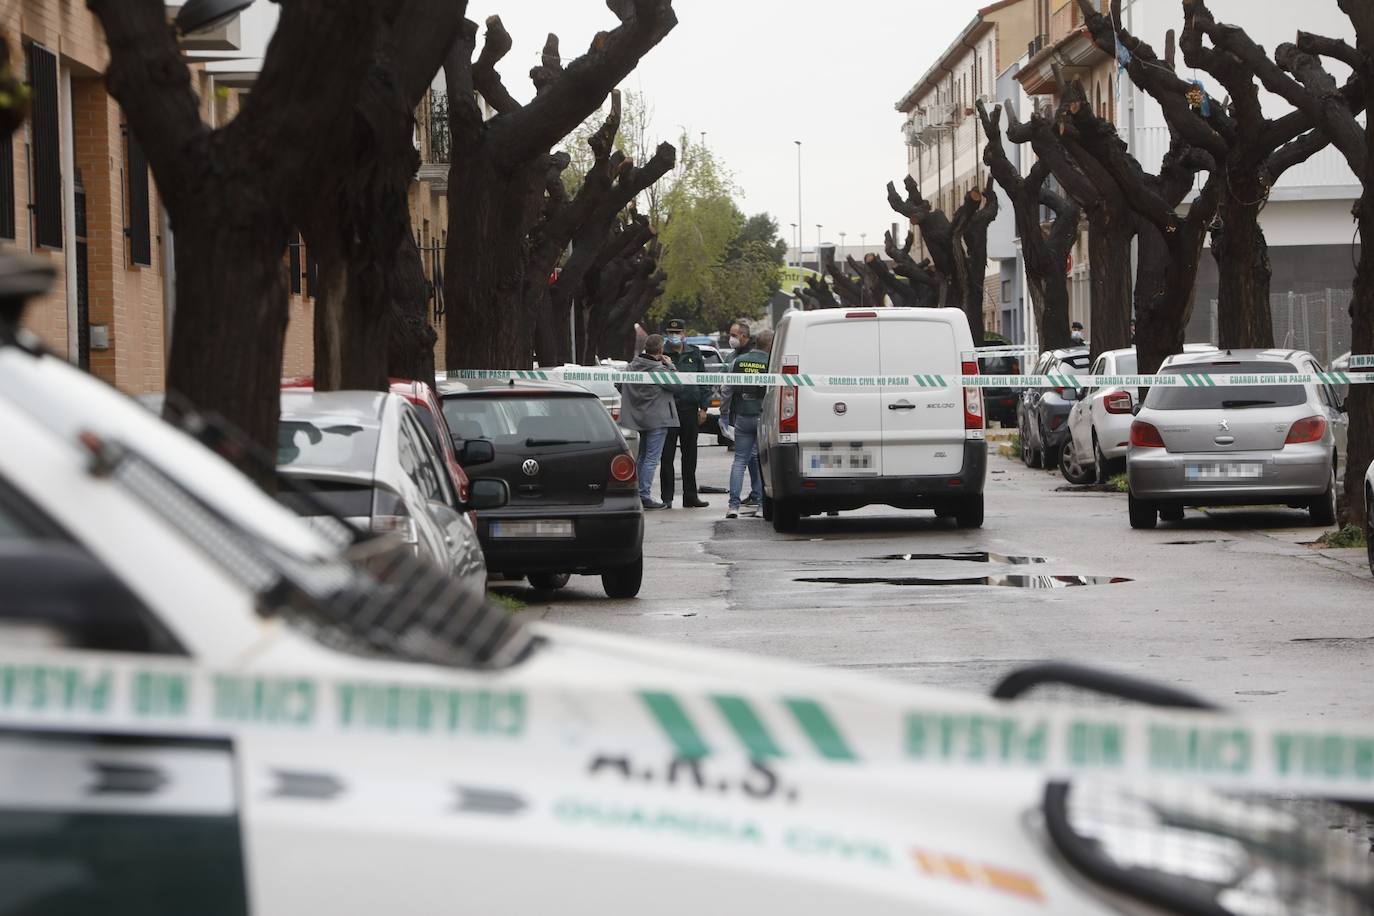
(1100, 423)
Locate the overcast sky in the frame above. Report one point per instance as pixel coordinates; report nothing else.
(756, 75)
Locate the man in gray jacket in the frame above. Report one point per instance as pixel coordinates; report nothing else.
(651, 409)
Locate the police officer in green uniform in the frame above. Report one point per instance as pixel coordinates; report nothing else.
(692, 402)
(741, 406)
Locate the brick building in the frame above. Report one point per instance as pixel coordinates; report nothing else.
(75, 188)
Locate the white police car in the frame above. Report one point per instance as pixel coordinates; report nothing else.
(206, 708)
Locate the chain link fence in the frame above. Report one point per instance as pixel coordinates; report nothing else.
(1318, 322)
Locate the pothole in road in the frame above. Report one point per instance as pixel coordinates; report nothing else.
(1337, 640)
(1191, 543)
(1044, 582)
(966, 557)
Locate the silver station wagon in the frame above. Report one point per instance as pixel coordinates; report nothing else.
(1236, 445)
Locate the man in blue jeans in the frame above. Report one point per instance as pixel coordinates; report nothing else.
(741, 406)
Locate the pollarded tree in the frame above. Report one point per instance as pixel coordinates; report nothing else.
(1045, 254)
(1299, 75)
(235, 193)
(937, 235)
(849, 292)
(1242, 142)
(496, 179)
(920, 275)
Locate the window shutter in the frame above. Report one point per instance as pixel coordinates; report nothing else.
(293, 249)
(7, 187)
(140, 217)
(312, 275)
(47, 157)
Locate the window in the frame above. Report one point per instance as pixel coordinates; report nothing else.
(7, 228)
(1229, 397)
(419, 463)
(312, 274)
(47, 156)
(140, 215)
(511, 420)
(1006, 290)
(293, 249)
(326, 443)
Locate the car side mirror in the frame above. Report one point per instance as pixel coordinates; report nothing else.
(473, 452)
(488, 493)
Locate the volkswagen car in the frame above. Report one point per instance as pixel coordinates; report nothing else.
(574, 504)
(1217, 445)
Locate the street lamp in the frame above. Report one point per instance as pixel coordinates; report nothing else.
(799, 209)
(863, 241)
(818, 248)
(199, 15)
(796, 243)
(842, 235)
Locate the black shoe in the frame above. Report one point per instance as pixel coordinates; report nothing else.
(667, 504)
(697, 504)
(651, 504)
(750, 501)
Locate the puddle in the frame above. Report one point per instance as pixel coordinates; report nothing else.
(967, 557)
(1337, 640)
(996, 581)
(1191, 543)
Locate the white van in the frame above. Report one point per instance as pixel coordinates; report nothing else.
(825, 449)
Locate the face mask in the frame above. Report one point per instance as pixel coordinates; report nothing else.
(734, 343)
(674, 341)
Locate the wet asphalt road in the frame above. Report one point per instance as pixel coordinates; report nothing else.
(1231, 604)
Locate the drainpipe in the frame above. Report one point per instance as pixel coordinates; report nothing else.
(66, 140)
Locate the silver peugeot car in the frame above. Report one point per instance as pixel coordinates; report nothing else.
(1236, 445)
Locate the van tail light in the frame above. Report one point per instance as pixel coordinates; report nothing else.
(973, 401)
(787, 402)
(1120, 402)
(624, 474)
(615, 413)
(1308, 429)
(1146, 435)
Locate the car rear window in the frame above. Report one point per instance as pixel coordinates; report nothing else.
(328, 497)
(1077, 365)
(1228, 397)
(320, 442)
(999, 365)
(841, 348)
(1125, 364)
(521, 419)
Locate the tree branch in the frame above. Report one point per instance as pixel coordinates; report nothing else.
(484, 76)
(557, 111)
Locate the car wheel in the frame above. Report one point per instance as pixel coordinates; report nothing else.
(1171, 513)
(1369, 531)
(766, 508)
(1106, 468)
(1074, 472)
(624, 582)
(1323, 508)
(1144, 515)
(786, 515)
(970, 512)
(1029, 456)
(549, 582)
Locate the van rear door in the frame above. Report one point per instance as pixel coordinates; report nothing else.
(923, 428)
(839, 428)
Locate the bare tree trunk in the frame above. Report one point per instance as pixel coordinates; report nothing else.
(411, 339)
(1109, 257)
(1244, 316)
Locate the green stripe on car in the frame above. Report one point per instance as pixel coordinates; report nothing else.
(748, 727)
(819, 729)
(674, 721)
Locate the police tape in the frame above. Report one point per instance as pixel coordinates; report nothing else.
(883, 726)
(927, 380)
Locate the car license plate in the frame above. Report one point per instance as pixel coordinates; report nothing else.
(1247, 470)
(533, 528)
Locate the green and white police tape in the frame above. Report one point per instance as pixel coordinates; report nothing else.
(93, 693)
(926, 380)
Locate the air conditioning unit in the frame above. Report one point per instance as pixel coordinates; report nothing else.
(912, 131)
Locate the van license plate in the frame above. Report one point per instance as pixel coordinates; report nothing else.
(533, 528)
(1248, 470)
(841, 460)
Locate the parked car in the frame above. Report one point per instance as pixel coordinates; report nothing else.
(1000, 403)
(826, 449)
(1100, 421)
(574, 505)
(1368, 518)
(1236, 444)
(1042, 414)
(427, 410)
(365, 457)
